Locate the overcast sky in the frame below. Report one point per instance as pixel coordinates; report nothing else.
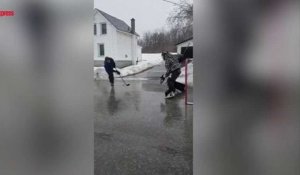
(149, 14)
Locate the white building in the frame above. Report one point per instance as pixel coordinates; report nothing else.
(114, 38)
(186, 47)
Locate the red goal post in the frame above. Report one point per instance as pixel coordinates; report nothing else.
(186, 83)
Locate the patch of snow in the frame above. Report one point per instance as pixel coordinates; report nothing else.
(190, 75)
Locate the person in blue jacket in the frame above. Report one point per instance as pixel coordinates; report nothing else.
(110, 68)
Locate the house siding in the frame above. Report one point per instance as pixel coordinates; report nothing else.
(124, 46)
(117, 44)
(109, 39)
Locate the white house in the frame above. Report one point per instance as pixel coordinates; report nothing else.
(186, 47)
(114, 38)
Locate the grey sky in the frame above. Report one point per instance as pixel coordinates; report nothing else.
(149, 14)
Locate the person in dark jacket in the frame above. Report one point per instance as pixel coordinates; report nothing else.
(110, 68)
(173, 68)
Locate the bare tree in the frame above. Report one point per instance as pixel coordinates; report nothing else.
(181, 25)
(182, 15)
(158, 41)
(181, 19)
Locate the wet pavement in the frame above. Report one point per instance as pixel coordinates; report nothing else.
(138, 132)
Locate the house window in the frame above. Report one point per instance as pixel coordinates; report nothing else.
(103, 28)
(95, 29)
(101, 50)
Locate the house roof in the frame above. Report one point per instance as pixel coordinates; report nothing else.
(190, 38)
(117, 23)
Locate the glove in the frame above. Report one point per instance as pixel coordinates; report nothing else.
(162, 79)
(117, 72)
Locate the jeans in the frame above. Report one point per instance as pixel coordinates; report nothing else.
(111, 77)
(171, 81)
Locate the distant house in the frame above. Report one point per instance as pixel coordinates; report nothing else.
(186, 47)
(114, 38)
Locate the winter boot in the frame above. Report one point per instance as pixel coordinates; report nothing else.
(170, 95)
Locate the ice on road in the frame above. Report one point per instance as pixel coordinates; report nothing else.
(138, 131)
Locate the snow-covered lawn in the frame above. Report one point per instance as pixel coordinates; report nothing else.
(148, 61)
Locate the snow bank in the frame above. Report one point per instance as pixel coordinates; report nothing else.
(148, 61)
(99, 73)
(190, 75)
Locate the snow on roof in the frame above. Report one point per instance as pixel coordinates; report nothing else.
(188, 39)
(119, 24)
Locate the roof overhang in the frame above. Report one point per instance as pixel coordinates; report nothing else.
(189, 39)
(127, 33)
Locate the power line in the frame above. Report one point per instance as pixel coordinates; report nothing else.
(174, 3)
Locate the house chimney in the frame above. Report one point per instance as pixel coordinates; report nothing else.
(133, 26)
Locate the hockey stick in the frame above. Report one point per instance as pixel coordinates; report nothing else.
(118, 72)
(126, 84)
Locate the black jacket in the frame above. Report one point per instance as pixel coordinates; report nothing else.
(109, 64)
(172, 63)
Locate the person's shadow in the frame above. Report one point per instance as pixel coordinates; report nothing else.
(112, 102)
